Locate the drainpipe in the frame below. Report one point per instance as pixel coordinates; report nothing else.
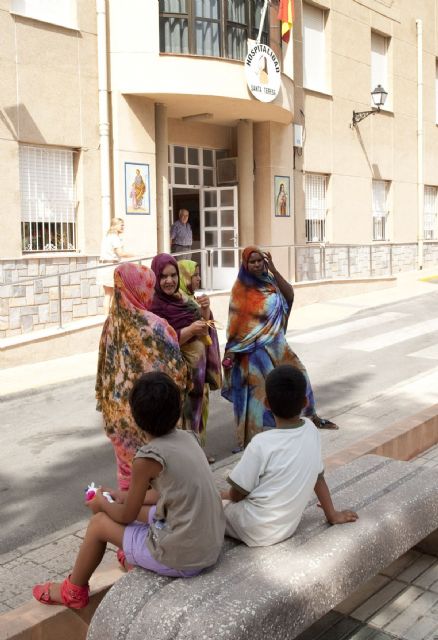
(104, 124)
(420, 158)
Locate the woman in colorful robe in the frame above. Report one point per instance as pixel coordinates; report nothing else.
(260, 305)
(134, 341)
(198, 340)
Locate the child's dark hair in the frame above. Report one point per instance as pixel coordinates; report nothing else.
(155, 402)
(286, 391)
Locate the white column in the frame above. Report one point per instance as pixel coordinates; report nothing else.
(104, 121)
(420, 135)
(162, 186)
(245, 164)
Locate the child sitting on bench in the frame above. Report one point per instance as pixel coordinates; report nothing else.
(279, 470)
(183, 533)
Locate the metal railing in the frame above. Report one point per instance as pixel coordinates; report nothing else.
(300, 263)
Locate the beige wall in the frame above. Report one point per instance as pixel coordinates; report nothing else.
(48, 96)
(383, 146)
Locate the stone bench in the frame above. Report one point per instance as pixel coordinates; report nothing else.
(277, 592)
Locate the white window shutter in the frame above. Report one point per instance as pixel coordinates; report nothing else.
(380, 190)
(379, 61)
(46, 184)
(314, 48)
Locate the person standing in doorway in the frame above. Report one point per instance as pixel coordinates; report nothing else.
(181, 236)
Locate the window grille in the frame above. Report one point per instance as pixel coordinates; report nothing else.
(430, 212)
(380, 209)
(315, 186)
(47, 199)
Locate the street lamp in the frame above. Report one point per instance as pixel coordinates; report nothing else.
(379, 96)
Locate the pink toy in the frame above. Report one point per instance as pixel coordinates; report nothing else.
(90, 492)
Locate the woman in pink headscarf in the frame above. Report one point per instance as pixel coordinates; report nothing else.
(134, 341)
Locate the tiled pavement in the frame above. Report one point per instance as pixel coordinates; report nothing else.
(401, 602)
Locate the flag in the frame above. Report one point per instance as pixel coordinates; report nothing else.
(286, 15)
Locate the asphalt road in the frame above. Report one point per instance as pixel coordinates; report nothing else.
(53, 442)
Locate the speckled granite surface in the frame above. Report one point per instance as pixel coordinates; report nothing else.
(276, 592)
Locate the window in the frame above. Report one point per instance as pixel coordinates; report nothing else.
(47, 199)
(379, 62)
(191, 166)
(61, 12)
(314, 55)
(430, 212)
(380, 209)
(217, 28)
(315, 186)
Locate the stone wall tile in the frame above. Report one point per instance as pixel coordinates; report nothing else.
(67, 305)
(79, 310)
(91, 307)
(27, 323)
(17, 302)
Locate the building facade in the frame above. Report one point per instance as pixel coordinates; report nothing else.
(140, 108)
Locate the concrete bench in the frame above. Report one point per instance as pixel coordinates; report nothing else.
(277, 592)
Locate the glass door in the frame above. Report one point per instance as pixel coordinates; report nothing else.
(219, 233)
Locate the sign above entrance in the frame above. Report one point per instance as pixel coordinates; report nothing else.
(262, 71)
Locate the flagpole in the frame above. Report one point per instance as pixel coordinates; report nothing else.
(262, 20)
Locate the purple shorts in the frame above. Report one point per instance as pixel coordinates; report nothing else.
(137, 552)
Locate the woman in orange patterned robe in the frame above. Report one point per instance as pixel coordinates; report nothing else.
(260, 305)
(134, 341)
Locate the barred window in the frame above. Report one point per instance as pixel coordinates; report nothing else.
(315, 186)
(47, 199)
(430, 212)
(380, 209)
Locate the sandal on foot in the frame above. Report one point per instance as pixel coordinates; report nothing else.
(211, 459)
(121, 557)
(238, 449)
(73, 596)
(323, 423)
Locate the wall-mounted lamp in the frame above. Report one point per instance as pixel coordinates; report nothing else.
(379, 96)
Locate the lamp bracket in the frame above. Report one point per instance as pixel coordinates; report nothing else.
(358, 116)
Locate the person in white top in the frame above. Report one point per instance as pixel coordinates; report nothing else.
(279, 470)
(111, 252)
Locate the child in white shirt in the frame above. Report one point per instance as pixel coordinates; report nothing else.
(272, 483)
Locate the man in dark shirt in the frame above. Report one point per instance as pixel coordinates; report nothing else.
(181, 235)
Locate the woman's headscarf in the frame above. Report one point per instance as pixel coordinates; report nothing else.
(134, 341)
(178, 310)
(187, 270)
(258, 310)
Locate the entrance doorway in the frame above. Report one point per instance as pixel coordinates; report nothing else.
(214, 220)
(188, 199)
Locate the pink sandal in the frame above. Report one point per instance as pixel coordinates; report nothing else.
(72, 595)
(121, 557)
